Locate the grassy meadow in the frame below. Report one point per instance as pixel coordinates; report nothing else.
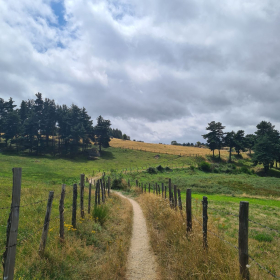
(96, 251)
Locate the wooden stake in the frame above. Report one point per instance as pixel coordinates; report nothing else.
(46, 224)
(243, 239)
(74, 209)
(82, 187)
(179, 200)
(205, 220)
(89, 198)
(61, 212)
(189, 209)
(9, 257)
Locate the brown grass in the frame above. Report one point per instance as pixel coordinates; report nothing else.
(163, 148)
(90, 252)
(182, 256)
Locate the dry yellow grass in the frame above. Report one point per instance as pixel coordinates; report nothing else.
(163, 148)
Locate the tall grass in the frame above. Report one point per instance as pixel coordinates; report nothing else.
(181, 255)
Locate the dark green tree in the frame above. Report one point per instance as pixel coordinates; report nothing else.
(229, 142)
(215, 137)
(239, 141)
(250, 140)
(101, 131)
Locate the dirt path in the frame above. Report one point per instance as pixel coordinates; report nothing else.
(141, 259)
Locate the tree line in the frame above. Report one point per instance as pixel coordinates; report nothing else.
(265, 142)
(41, 126)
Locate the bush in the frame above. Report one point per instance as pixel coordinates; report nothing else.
(168, 169)
(160, 168)
(119, 184)
(205, 166)
(151, 170)
(100, 213)
(192, 167)
(245, 169)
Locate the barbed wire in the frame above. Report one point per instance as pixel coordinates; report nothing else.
(264, 268)
(264, 226)
(227, 213)
(25, 205)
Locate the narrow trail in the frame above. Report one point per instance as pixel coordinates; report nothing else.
(141, 259)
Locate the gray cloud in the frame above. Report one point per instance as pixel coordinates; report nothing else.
(160, 70)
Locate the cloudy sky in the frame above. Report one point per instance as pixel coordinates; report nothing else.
(160, 70)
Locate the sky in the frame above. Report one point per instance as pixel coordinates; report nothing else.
(159, 70)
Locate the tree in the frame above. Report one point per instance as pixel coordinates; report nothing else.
(229, 141)
(215, 136)
(250, 140)
(266, 148)
(101, 131)
(239, 141)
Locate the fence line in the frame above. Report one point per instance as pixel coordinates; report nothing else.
(243, 251)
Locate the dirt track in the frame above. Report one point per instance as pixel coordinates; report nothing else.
(141, 259)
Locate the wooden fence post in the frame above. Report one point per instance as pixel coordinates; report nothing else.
(95, 195)
(172, 199)
(205, 219)
(74, 209)
(162, 190)
(98, 192)
(175, 196)
(189, 209)
(169, 189)
(158, 189)
(82, 195)
(109, 186)
(243, 239)
(61, 212)
(179, 200)
(102, 194)
(89, 198)
(12, 228)
(46, 224)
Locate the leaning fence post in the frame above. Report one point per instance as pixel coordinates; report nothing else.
(12, 227)
(205, 219)
(74, 209)
(89, 198)
(175, 196)
(82, 195)
(61, 212)
(243, 239)
(109, 186)
(189, 209)
(46, 224)
(179, 200)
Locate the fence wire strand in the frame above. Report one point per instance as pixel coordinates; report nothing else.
(272, 229)
(264, 268)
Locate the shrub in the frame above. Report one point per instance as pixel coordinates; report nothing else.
(160, 168)
(205, 166)
(119, 184)
(168, 169)
(245, 169)
(151, 170)
(192, 167)
(100, 213)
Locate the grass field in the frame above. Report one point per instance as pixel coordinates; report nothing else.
(165, 149)
(45, 173)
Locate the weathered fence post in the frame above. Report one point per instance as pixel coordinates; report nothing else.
(156, 188)
(89, 198)
(102, 193)
(12, 228)
(189, 209)
(179, 200)
(98, 192)
(46, 224)
(205, 219)
(61, 212)
(109, 186)
(162, 190)
(95, 195)
(74, 209)
(82, 195)
(175, 196)
(169, 189)
(243, 239)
